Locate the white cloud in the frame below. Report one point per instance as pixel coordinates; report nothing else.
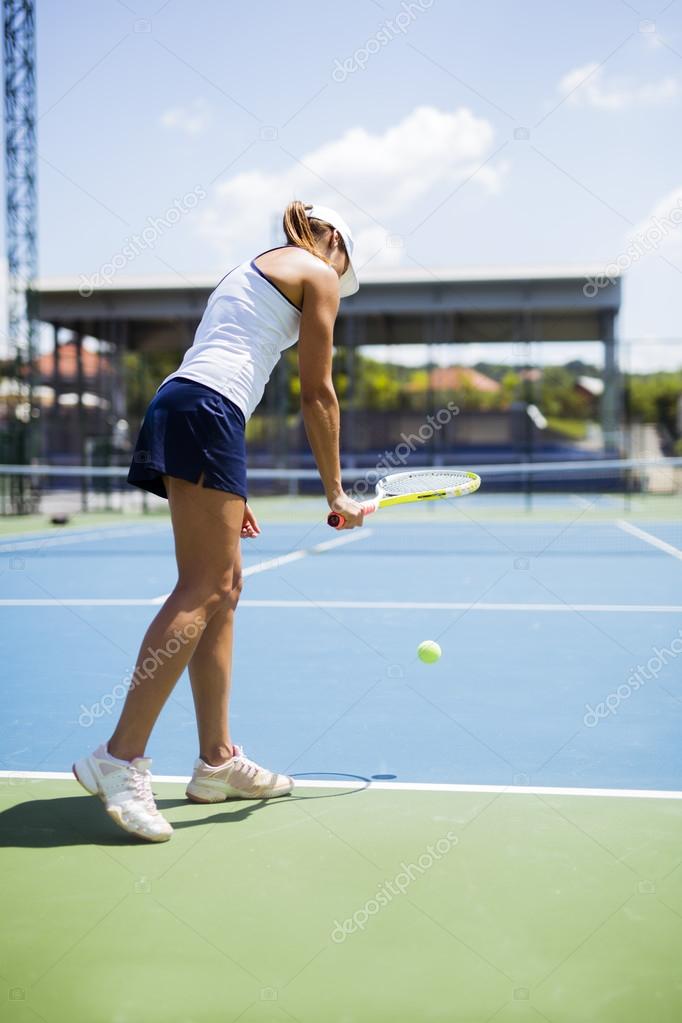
(662, 228)
(659, 234)
(374, 180)
(192, 119)
(589, 86)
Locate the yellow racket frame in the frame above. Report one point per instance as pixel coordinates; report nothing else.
(337, 521)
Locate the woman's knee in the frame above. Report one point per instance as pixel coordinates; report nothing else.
(231, 591)
(211, 595)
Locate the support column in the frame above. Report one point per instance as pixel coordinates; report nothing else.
(53, 439)
(281, 403)
(80, 386)
(438, 333)
(348, 424)
(527, 430)
(611, 401)
(80, 413)
(104, 446)
(118, 390)
(104, 435)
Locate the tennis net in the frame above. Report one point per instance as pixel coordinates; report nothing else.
(650, 485)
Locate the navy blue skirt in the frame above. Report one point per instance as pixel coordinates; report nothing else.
(190, 430)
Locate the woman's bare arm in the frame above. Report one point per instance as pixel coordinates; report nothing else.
(319, 404)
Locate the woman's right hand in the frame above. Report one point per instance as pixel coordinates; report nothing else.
(350, 509)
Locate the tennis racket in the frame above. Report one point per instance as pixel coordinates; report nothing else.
(421, 485)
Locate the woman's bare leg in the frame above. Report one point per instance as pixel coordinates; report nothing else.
(206, 527)
(210, 672)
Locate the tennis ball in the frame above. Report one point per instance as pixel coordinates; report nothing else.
(429, 652)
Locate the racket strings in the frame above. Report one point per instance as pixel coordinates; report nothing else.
(422, 481)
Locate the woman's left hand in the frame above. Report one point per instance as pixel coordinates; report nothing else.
(250, 527)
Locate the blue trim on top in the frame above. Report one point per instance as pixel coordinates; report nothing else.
(272, 284)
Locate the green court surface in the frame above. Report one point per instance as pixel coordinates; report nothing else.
(457, 905)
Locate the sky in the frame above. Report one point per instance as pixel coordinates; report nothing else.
(449, 135)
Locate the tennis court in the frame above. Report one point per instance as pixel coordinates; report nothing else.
(493, 837)
(357, 244)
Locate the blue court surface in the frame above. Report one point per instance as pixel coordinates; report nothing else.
(561, 640)
(497, 833)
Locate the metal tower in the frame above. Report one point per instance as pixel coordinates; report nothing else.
(21, 206)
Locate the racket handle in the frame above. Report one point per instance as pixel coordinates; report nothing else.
(337, 521)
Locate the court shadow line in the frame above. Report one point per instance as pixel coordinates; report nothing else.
(294, 797)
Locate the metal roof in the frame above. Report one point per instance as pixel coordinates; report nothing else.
(393, 306)
(388, 275)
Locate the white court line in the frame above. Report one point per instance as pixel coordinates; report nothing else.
(286, 559)
(642, 534)
(362, 605)
(80, 602)
(88, 536)
(262, 566)
(265, 566)
(401, 786)
(339, 541)
(398, 605)
(319, 548)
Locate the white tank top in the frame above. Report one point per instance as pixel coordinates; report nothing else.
(247, 324)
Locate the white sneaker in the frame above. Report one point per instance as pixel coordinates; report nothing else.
(126, 791)
(237, 778)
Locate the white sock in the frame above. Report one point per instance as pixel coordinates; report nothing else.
(107, 755)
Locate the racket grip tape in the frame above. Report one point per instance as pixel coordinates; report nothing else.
(337, 521)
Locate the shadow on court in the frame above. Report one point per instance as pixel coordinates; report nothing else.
(81, 820)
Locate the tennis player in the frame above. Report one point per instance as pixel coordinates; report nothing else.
(191, 451)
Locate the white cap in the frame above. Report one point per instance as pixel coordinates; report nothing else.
(348, 283)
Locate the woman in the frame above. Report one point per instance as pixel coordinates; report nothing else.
(191, 451)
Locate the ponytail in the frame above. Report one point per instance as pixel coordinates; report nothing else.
(302, 231)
